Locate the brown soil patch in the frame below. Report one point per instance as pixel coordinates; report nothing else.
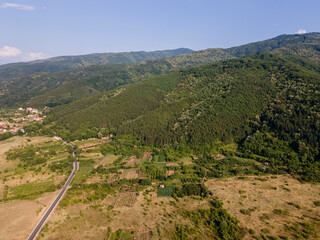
(129, 174)
(146, 155)
(170, 173)
(262, 197)
(125, 199)
(59, 179)
(219, 156)
(172, 164)
(19, 217)
(94, 179)
(132, 161)
(112, 177)
(92, 145)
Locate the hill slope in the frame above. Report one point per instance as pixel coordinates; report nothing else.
(268, 104)
(64, 87)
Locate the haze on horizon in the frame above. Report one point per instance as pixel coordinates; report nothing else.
(37, 29)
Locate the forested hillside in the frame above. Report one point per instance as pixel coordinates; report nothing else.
(54, 89)
(268, 104)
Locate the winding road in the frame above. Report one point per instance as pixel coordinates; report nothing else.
(45, 217)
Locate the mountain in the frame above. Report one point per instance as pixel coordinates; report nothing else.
(57, 64)
(53, 89)
(249, 83)
(308, 43)
(268, 104)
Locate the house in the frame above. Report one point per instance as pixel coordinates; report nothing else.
(3, 131)
(14, 130)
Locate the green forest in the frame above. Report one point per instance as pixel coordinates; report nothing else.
(268, 105)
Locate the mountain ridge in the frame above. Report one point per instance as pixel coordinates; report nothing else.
(54, 89)
(62, 63)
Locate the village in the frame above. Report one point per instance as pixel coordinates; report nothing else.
(13, 122)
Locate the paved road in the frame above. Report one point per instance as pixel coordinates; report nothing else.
(37, 229)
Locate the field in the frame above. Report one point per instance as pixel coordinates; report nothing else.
(130, 174)
(269, 206)
(90, 144)
(113, 198)
(125, 199)
(142, 214)
(13, 143)
(277, 206)
(106, 160)
(33, 188)
(85, 167)
(18, 217)
(26, 189)
(165, 192)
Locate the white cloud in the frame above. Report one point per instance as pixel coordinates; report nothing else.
(301, 31)
(13, 54)
(7, 51)
(17, 6)
(32, 56)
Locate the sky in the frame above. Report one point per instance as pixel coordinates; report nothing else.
(35, 29)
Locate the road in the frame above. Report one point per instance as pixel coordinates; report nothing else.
(44, 218)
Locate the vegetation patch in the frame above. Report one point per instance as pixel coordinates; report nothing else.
(212, 223)
(31, 190)
(165, 191)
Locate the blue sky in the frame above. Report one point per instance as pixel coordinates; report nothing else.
(31, 29)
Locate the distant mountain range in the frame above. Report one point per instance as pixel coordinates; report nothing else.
(38, 86)
(57, 64)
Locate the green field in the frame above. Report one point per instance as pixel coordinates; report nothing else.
(85, 168)
(87, 141)
(165, 192)
(159, 158)
(32, 189)
(160, 164)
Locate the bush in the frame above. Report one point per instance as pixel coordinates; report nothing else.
(145, 182)
(193, 189)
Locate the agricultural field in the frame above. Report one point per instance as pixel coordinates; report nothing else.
(148, 196)
(31, 171)
(271, 207)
